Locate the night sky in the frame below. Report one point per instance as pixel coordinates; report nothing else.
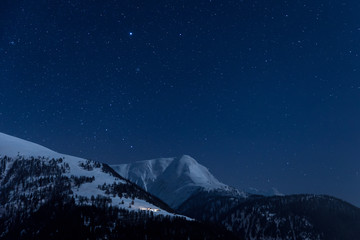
(263, 93)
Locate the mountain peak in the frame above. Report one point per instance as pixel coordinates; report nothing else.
(171, 179)
(188, 159)
(185, 163)
(196, 173)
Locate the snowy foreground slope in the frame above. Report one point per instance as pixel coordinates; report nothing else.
(173, 180)
(87, 178)
(49, 195)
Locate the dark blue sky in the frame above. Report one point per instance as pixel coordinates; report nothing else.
(264, 93)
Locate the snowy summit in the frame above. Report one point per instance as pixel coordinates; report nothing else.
(173, 180)
(84, 180)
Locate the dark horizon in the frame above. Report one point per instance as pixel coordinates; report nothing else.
(263, 93)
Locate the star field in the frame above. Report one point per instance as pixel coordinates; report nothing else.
(264, 93)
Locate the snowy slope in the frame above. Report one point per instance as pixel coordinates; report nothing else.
(143, 172)
(13, 146)
(173, 180)
(76, 168)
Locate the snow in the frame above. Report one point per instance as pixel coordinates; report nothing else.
(12, 147)
(144, 171)
(199, 174)
(171, 179)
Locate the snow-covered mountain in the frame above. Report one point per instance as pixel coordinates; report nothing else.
(173, 180)
(86, 179)
(49, 195)
(192, 190)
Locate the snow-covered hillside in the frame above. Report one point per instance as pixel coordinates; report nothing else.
(173, 180)
(87, 180)
(13, 146)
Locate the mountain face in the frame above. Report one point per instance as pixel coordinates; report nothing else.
(32, 168)
(48, 195)
(173, 180)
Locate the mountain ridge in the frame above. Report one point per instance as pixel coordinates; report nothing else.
(84, 176)
(172, 179)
